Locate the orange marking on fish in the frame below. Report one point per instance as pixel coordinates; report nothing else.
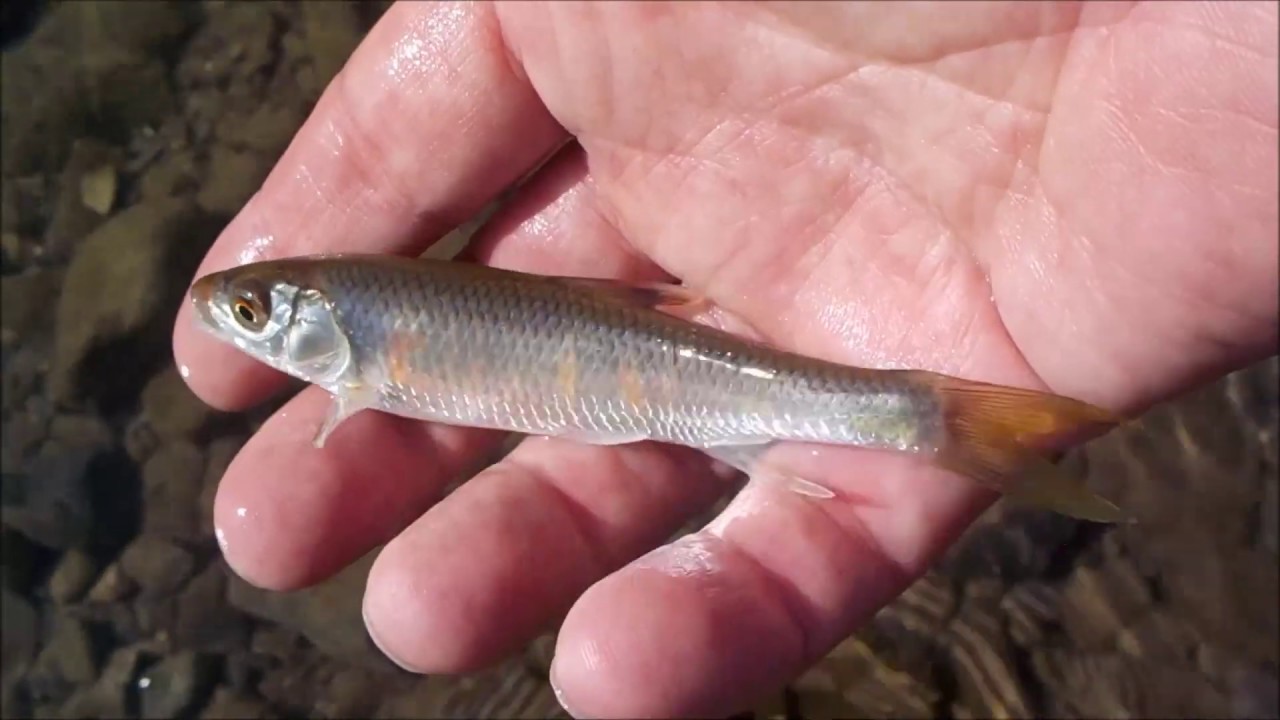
(632, 385)
(400, 346)
(567, 374)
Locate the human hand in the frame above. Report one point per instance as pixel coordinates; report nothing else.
(1078, 198)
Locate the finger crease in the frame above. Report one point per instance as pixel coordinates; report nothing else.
(790, 598)
(601, 555)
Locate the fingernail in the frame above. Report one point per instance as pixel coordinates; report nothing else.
(555, 688)
(368, 628)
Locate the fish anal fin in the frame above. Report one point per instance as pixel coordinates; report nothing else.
(1029, 479)
(669, 298)
(586, 437)
(748, 459)
(1045, 485)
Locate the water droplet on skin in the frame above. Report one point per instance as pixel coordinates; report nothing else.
(559, 693)
(689, 556)
(242, 512)
(560, 697)
(753, 499)
(255, 249)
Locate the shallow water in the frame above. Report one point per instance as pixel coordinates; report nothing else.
(133, 132)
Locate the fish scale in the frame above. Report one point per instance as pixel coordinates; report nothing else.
(484, 344)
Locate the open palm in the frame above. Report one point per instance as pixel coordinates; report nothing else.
(1079, 198)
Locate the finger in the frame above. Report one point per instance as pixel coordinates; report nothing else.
(558, 223)
(289, 515)
(501, 559)
(427, 122)
(765, 590)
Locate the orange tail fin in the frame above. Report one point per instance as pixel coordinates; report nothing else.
(1003, 437)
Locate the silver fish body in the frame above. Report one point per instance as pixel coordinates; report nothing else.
(546, 358)
(593, 361)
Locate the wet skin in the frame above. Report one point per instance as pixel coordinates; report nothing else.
(1079, 199)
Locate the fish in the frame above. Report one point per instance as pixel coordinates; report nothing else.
(611, 362)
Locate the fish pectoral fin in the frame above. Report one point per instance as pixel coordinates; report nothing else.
(344, 405)
(747, 459)
(674, 299)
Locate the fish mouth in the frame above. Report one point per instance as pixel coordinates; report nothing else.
(205, 293)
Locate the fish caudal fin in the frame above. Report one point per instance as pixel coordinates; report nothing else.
(1003, 438)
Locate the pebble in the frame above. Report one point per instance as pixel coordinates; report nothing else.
(171, 409)
(171, 481)
(112, 585)
(120, 286)
(50, 502)
(69, 654)
(157, 565)
(98, 189)
(176, 685)
(20, 623)
(82, 429)
(73, 576)
(204, 621)
(140, 440)
(226, 703)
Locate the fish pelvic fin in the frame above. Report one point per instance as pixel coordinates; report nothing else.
(1005, 437)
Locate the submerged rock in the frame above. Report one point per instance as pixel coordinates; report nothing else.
(331, 31)
(113, 694)
(98, 189)
(28, 301)
(111, 586)
(73, 576)
(69, 655)
(51, 502)
(157, 565)
(19, 623)
(81, 430)
(226, 703)
(171, 409)
(176, 686)
(72, 219)
(328, 614)
(121, 293)
(171, 480)
(205, 621)
(233, 177)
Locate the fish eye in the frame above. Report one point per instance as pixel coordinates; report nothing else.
(246, 312)
(250, 310)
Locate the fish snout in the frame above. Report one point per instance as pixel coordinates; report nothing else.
(204, 294)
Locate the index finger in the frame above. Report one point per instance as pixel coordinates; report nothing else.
(427, 122)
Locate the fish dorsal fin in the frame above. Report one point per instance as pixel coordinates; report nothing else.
(669, 298)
